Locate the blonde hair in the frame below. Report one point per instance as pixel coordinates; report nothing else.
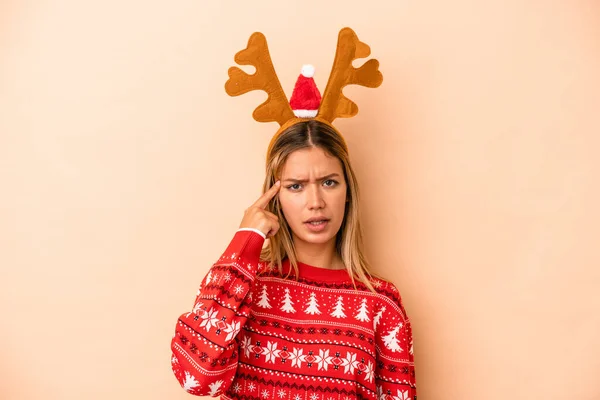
(349, 238)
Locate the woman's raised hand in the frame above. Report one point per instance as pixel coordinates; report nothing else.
(256, 216)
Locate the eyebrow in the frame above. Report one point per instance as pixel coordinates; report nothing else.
(306, 180)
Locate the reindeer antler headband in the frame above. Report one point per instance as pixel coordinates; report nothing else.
(306, 100)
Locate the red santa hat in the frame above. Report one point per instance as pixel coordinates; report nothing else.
(306, 98)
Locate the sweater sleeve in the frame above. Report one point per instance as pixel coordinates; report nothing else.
(205, 344)
(395, 371)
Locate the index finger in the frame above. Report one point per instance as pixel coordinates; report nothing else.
(264, 200)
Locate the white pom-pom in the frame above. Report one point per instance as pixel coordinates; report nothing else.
(308, 71)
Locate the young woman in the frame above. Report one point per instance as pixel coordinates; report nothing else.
(303, 318)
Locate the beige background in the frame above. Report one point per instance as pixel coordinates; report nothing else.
(125, 170)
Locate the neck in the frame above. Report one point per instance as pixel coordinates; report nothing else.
(318, 254)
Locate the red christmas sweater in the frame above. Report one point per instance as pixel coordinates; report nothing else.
(253, 334)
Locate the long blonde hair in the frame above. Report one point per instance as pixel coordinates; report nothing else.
(349, 239)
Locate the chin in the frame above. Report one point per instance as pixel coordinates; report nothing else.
(316, 239)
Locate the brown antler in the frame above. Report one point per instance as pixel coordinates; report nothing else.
(276, 107)
(349, 48)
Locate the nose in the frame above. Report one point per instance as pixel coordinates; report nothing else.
(315, 198)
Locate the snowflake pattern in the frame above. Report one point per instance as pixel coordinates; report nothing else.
(401, 395)
(297, 357)
(281, 394)
(247, 346)
(232, 330)
(209, 319)
(265, 394)
(271, 352)
(369, 372)
(349, 362)
(323, 360)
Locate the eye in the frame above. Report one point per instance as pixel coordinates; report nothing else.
(330, 183)
(295, 186)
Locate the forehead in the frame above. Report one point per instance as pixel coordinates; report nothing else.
(311, 161)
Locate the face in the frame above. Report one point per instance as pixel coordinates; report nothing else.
(313, 188)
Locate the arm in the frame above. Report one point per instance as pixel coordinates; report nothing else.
(205, 346)
(395, 371)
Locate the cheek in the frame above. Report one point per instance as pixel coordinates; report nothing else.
(339, 200)
(290, 206)
(340, 205)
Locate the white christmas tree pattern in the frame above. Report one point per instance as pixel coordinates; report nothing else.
(378, 317)
(214, 388)
(288, 304)
(362, 312)
(338, 310)
(190, 382)
(263, 299)
(313, 307)
(391, 341)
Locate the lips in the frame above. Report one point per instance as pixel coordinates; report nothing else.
(317, 225)
(316, 219)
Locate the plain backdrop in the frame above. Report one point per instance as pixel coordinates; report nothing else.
(125, 169)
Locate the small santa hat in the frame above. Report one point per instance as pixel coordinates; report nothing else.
(306, 98)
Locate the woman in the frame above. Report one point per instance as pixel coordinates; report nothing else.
(302, 318)
(316, 325)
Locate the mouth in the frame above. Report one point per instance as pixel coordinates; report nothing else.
(316, 224)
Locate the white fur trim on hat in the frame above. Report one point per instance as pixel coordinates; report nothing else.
(306, 113)
(308, 71)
